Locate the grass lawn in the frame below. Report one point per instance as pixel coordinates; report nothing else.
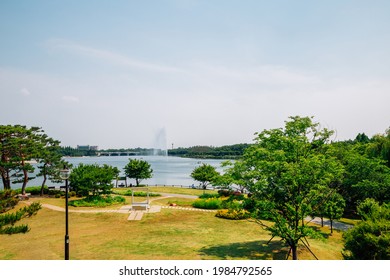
(170, 234)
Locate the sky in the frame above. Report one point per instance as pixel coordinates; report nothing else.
(127, 74)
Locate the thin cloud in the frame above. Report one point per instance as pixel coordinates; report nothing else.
(70, 98)
(25, 92)
(107, 56)
(261, 74)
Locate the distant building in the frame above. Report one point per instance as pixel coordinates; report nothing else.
(87, 148)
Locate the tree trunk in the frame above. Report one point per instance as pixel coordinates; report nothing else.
(25, 180)
(6, 180)
(322, 221)
(331, 226)
(294, 249)
(43, 183)
(136, 182)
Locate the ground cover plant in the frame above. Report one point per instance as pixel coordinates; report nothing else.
(97, 201)
(136, 193)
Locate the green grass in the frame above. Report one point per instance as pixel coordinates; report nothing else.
(349, 221)
(170, 234)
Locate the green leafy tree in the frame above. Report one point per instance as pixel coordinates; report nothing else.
(139, 170)
(370, 238)
(205, 174)
(362, 138)
(380, 146)
(289, 166)
(92, 179)
(235, 173)
(50, 161)
(334, 208)
(18, 146)
(364, 177)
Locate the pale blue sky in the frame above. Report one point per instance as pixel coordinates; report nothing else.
(120, 73)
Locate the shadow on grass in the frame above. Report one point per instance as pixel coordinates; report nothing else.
(254, 250)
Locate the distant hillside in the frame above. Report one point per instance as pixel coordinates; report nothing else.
(228, 152)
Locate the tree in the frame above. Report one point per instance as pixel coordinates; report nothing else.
(362, 138)
(92, 179)
(237, 173)
(50, 161)
(288, 167)
(19, 145)
(364, 178)
(138, 169)
(380, 146)
(370, 238)
(334, 208)
(205, 174)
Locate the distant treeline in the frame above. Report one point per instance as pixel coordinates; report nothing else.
(224, 152)
(74, 152)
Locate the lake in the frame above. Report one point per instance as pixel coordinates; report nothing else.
(166, 170)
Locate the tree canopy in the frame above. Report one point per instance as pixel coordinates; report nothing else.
(290, 166)
(370, 238)
(205, 174)
(138, 169)
(92, 179)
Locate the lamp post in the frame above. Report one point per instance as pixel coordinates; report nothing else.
(64, 175)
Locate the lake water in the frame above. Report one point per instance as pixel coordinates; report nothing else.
(166, 170)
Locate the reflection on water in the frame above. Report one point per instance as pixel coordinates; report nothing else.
(166, 170)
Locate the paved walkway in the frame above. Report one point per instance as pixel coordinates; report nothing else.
(336, 224)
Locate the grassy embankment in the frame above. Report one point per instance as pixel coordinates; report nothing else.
(170, 234)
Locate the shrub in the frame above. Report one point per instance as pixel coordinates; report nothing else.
(209, 195)
(14, 229)
(8, 220)
(97, 201)
(233, 214)
(139, 194)
(7, 200)
(231, 204)
(210, 203)
(225, 192)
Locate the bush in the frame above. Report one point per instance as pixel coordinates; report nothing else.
(210, 203)
(7, 200)
(8, 220)
(370, 238)
(139, 194)
(225, 192)
(209, 195)
(231, 204)
(233, 214)
(97, 201)
(14, 229)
